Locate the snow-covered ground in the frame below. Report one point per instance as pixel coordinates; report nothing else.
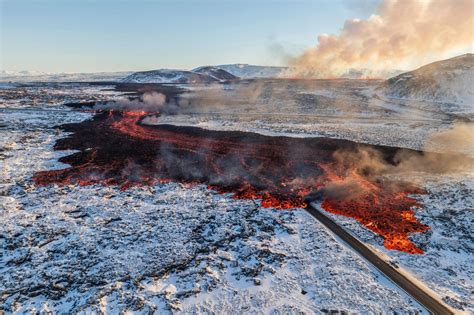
(45, 95)
(338, 109)
(171, 248)
(447, 266)
(166, 248)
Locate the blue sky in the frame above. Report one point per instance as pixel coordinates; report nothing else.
(106, 35)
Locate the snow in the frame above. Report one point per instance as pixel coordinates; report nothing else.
(446, 267)
(166, 248)
(338, 109)
(173, 248)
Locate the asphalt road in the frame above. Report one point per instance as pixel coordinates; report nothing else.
(432, 305)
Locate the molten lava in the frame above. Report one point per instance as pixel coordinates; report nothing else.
(115, 149)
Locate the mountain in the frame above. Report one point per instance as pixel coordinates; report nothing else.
(246, 71)
(447, 81)
(36, 76)
(216, 73)
(205, 74)
(24, 73)
(200, 75)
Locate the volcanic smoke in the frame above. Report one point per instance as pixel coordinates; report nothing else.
(401, 35)
(115, 148)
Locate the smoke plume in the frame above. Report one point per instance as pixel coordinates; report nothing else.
(152, 102)
(452, 145)
(460, 138)
(401, 35)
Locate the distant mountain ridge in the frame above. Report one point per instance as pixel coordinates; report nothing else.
(201, 75)
(246, 71)
(23, 73)
(37, 76)
(205, 74)
(448, 81)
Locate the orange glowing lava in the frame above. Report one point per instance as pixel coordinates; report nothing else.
(115, 149)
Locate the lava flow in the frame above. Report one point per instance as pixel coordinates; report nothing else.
(116, 149)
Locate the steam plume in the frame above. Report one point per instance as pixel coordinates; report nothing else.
(460, 138)
(453, 143)
(148, 102)
(402, 34)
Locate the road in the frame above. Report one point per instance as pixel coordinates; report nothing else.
(431, 304)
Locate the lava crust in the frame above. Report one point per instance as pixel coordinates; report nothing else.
(116, 149)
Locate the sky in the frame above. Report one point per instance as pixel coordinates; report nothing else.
(106, 35)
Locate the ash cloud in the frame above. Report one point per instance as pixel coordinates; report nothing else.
(401, 34)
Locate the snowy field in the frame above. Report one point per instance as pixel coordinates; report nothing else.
(171, 248)
(447, 266)
(338, 109)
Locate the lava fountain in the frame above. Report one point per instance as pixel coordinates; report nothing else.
(114, 148)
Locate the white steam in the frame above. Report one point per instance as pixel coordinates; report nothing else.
(149, 102)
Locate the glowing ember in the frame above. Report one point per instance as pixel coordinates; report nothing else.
(115, 149)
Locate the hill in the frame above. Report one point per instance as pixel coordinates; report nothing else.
(447, 81)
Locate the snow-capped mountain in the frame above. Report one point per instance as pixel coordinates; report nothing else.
(447, 81)
(200, 75)
(246, 71)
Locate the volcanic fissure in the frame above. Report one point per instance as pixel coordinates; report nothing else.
(115, 148)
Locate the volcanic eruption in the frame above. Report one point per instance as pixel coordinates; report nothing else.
(398, 35)
(115, 148)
